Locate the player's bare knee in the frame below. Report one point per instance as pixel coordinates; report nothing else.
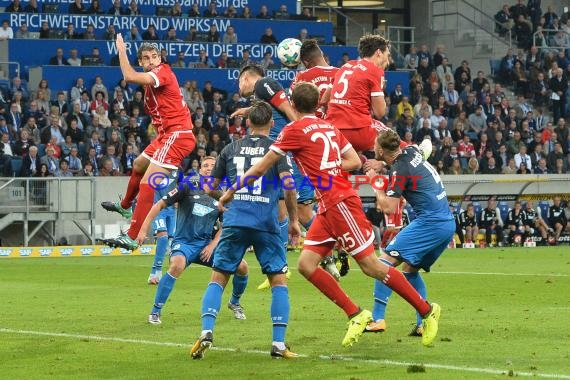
(277, 279)
(177, 265)
(140, 164)
(305, 265)
(242, 269)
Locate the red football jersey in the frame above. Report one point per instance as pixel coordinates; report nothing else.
(320, 76)
(317, 147)
(164, 102)
(354, 85)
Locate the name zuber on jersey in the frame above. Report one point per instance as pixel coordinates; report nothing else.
(251, 151)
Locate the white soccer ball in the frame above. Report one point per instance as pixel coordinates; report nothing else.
(289, 52)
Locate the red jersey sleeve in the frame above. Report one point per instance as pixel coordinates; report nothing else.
(161, 74)
(376, 79)
(287, 141)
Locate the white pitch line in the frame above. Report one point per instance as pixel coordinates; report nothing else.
(490, 371)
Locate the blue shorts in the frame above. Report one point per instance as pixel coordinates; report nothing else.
(165, 222)
(191, 251)
(233, 243)
(421, 242)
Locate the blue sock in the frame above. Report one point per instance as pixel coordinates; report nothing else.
(239, 283)
(418, 283)
(382, 294)
(284, 231)
(161, 247)
(279, 312)
(308, 224)
(211, 305)
(163, 292)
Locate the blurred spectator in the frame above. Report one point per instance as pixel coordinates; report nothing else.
(230, 12)
(224, 61)
(14, 7)
(263, 13)
(89, 33)
(99, 87)
(94, 59)
(282, 13)
(95, 8)
(31, 163)
(58, 59)
(194, 10)
(32, 7)
(212, 10)
(203, 60)
(213, 34)
(245, 59)
(267, 60)
(549, 17)
(77, 115)
(268, 37)
(61, 103)
(50, 160)
(133, 35)
(150, 34)
(44, 30)
(33, 130)
(179, 60)
(6, 155)
(438, 56)
(63, 170)
(230, 37)
(124, 87)
(117, 9)
(171, 35)
(504, 20)
(444, 73)
(107, 169)
(133, 9)
(77, 8)
(303, 35)
(23, 32)
(73, 59)
(411, 59)
(558, 85)
(523, 32)
(306, 14)
(110, 34)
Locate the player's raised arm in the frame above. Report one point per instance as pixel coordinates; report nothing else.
(147, 59)
(152, 214)
(350, 160)
(378, 105)
(387, 148)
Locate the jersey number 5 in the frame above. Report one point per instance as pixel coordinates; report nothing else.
(344, 81)
(328, 142)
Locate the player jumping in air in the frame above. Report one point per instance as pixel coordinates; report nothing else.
(322, 153)
(171, 117)
(196, 217)
(253, 83)
(252, 220)
(419, 244)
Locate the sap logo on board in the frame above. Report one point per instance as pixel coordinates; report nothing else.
(44, 252)
(105, 251)
(146, 250)
(65, 251)
(125, 251)
(5, 252)
(25, 252)
(87, 251)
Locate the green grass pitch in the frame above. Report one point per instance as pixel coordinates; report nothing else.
(505, 312)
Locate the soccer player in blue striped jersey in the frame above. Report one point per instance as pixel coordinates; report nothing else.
(420, 244)
(252, 220)
(196, 217)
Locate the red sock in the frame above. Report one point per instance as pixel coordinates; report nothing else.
(330, 288)
(396, 281)
(144, 204)
(132, 189)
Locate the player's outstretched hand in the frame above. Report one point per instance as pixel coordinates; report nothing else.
(294, 232)
(372, 164)
(224, 200)
(120, 43)
(206, 253)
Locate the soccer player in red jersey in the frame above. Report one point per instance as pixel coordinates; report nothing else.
(322, 153)
(170, 115)
(318, 71)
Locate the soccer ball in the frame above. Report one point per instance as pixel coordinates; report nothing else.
(289, 52)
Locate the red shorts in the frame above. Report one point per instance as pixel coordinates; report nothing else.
(170, 149)
(362, 139)
(395, 220)
(346, 223)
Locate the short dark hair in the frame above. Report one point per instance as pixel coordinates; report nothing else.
(252, 69)
(146, 47)
(369, 43)
(310, 50)
(305, 97)
(260, 114)
(388, 140)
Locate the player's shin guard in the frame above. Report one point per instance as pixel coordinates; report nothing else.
(415, 278)
(382, 294)
(144, 204)
(279, 311)
(396, 280)
(239, 284)
(163, 291)
(211, 304)
(331, 288)
(161, 248)
(284, 231)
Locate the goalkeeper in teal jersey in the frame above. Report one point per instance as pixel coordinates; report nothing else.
(196, 217)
